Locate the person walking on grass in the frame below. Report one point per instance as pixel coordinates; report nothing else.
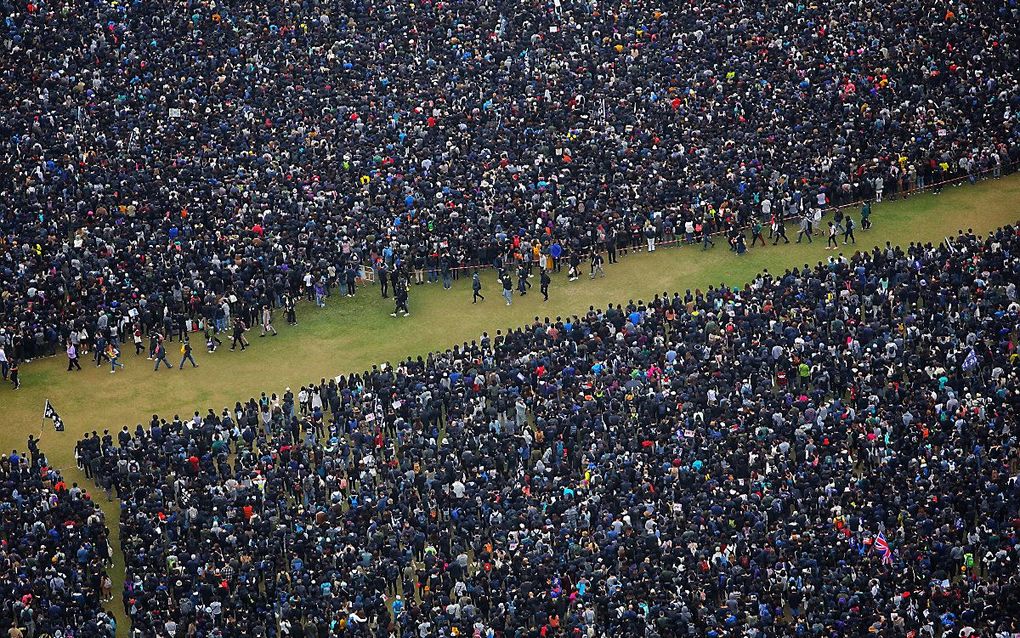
(100, 352)
(154, 340)
(575, 266)
(476, 288)
(706, 238)
(239, 329)
(267, 321)
(72, 357)
(288, 304)
(384, 280)
(13, 372)
(113, 352)
(400, 297)
(805, 229)
(211, 342)
(596, 264)
(866, 216)
(756, 235)
(544, 281)
(833, 232)
(848, 231)
(508, 289)
(779, 230)
(186, 354)
(320, 294)
(137, 338)
(160, 357)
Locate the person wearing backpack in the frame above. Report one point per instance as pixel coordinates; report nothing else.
(186, 354)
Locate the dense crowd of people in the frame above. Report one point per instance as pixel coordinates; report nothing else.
(827, 451)
(54, 553)
(161, 160)
(824, 452)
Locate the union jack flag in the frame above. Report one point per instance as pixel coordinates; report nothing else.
(883, 546)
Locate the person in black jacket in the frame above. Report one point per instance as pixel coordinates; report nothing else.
(186, 354)
(544, 282)
(596, 264)
(476, 288)
(522, 281)
(848, 231)
(780, 231)
(160, 356)
(400, 295)
(239, 329)
(508, 288)
(611, 245)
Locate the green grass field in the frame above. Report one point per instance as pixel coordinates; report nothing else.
(352, 334)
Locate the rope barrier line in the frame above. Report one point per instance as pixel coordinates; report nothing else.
(718, 233)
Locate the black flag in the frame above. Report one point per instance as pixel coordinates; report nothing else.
(51, 414)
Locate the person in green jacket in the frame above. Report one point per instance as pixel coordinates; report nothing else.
(756, 233)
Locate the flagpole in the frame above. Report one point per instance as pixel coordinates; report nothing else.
(42, 424)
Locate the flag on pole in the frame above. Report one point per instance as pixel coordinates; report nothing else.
(883, 546)
(51, 414)
(971, 361)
